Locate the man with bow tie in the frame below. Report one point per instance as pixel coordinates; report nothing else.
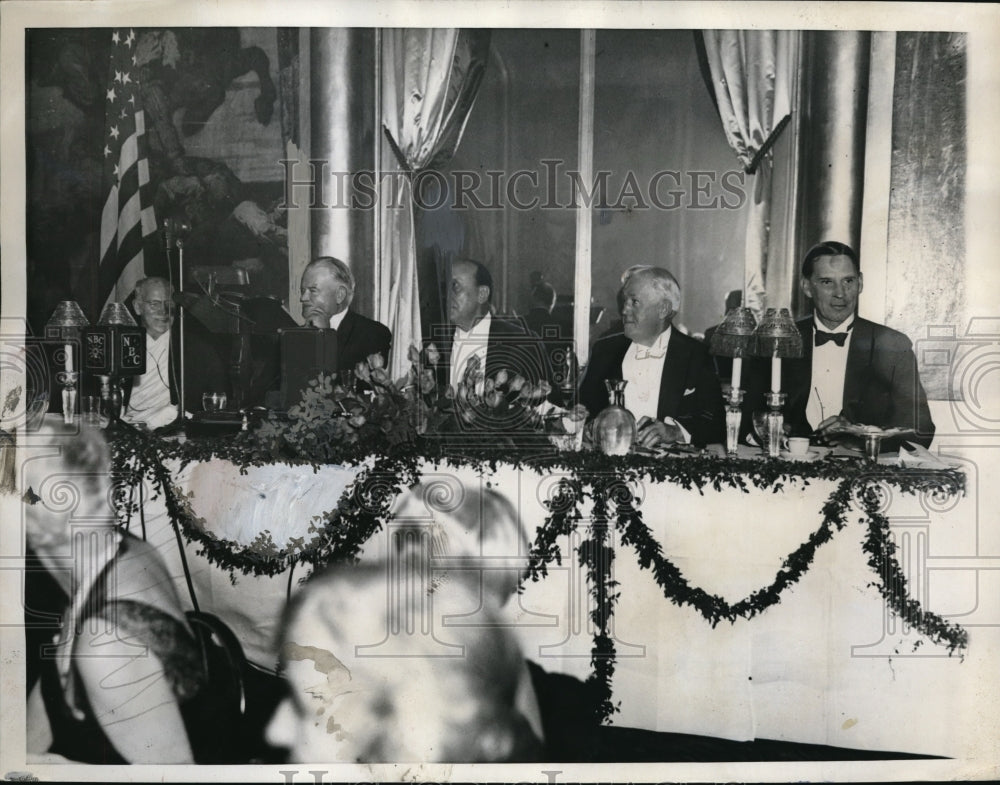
(326, 292)
(853, 371)
(671, 389)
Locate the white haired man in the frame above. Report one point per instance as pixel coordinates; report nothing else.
(151, 399)
(672, 388)
(326, 292)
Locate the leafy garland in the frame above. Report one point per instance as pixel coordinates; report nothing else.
(565, 517)
(364, 508)
(338, 534)
(892, 585)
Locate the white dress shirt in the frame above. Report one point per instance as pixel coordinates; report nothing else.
(829, 368)
(468, 344)
(642, 368)
(150, 399)
(336, 319)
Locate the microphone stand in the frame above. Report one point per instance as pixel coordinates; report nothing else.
(173, 235)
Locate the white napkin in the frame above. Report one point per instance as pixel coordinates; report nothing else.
(915, 456)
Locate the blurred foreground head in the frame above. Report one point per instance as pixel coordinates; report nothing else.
(471, 532)
(374, 678)
(66, 475)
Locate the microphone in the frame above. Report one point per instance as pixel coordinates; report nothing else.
(175, 232)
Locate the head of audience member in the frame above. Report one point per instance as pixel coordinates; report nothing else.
(832, 279)
(374, 678)
(650, 297)
(327, 288)
(154, 305)
(479, 526)
(65, 478)
(543, 296)
(470, 291)
(734, 299)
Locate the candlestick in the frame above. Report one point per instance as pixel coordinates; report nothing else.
(775, 424)
(734, 416)
(737, 372)
(775, 374)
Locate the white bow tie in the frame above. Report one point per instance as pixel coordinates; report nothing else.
(649, 353)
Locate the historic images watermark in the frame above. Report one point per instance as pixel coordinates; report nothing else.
(550, 186)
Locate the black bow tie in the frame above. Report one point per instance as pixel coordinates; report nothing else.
(838, 338)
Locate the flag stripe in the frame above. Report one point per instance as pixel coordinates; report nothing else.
(127, 216)
(109, 222)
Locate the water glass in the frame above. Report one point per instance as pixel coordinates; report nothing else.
(91, 410)
(873, 443)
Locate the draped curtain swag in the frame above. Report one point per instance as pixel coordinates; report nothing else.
(430, 78)
(752, 72)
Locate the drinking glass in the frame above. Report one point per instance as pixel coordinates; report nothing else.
(760, 428)
(91, 409)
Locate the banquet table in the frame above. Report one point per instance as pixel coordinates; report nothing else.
(829, 663)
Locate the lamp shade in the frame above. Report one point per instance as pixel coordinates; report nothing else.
(66, 318)
(733, 337)
(116, 313)
(777, 335)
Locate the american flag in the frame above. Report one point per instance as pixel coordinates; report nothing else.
(127, 218)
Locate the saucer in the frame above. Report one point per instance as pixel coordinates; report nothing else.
(814, 454)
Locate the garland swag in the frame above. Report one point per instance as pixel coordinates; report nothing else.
(565, 517)
(364, 508)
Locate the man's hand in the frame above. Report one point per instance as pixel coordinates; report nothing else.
(316, 318)
(833, 431)
(653, 433)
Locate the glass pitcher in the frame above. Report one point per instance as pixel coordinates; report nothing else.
(614, 427)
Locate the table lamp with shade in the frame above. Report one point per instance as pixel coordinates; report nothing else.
(733, 338)
(776, 337)
(66, 322)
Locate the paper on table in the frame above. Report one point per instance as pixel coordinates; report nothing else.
(915, 456)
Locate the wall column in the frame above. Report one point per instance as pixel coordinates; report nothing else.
(831, 183)
(342, 101)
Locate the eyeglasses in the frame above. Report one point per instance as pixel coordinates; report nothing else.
(158, 305)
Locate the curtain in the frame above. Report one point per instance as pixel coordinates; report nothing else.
(430, 78)
(751, 73)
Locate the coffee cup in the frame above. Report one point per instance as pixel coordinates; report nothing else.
(798, 445)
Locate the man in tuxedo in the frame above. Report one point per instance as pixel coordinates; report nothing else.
(672, 388)
(853, 371)
(473, 331)
(326, 292)
(152, 398)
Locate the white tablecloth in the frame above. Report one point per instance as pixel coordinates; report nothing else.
(828, 665)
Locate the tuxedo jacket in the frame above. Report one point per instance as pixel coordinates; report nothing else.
(689, 388)
(511, 346)
(881, 383)
(357, 337)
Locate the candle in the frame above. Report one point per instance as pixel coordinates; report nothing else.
(69, 358)
(775, 374)
(737, 371)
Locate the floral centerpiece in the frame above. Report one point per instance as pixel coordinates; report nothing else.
(371, 413)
